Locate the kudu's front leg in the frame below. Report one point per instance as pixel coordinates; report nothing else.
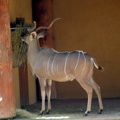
(48, 92)
(42, 83)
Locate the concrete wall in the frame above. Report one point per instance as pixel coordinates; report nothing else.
(94, 27)
(23, 9)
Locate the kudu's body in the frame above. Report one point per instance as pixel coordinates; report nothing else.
(48, 64)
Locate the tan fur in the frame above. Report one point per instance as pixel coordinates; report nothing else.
(48, 64)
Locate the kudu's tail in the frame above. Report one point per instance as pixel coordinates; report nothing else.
(96, 65)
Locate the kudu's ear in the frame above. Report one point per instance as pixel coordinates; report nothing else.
(33, 35)
(41, 35)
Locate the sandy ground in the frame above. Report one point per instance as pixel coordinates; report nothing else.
(72, 109)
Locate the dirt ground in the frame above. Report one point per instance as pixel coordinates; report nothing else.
(72, 109)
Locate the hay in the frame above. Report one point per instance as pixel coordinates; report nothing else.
(19, 48)
(24, 114)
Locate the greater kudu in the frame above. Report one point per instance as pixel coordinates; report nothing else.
(48, 64)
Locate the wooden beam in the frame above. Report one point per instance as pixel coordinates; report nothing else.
(23, 81)
(7, 99)
(43, 15)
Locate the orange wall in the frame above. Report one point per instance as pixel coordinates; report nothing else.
(22, 8)
(88, 25)
(94, 27)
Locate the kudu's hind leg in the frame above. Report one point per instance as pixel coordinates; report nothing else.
(42, 83)
(98, 92)
(48, 92)
(89, 91)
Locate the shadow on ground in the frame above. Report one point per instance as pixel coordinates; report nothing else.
(73, 109)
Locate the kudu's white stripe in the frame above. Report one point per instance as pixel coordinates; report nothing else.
(57, 65)
(65, 71)
(53, 63)
(77, 60)
(48, 64)
(84, 64)
(92, 62)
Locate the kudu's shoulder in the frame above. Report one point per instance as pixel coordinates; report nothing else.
(46, 51)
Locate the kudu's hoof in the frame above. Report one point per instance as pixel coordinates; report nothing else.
(47, 112)
(42, 113)
(100, 111)
(86, 113)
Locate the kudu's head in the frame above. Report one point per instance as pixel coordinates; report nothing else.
(31, 34)
(29, 37)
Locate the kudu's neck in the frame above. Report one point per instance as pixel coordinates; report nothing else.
(33, 50)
